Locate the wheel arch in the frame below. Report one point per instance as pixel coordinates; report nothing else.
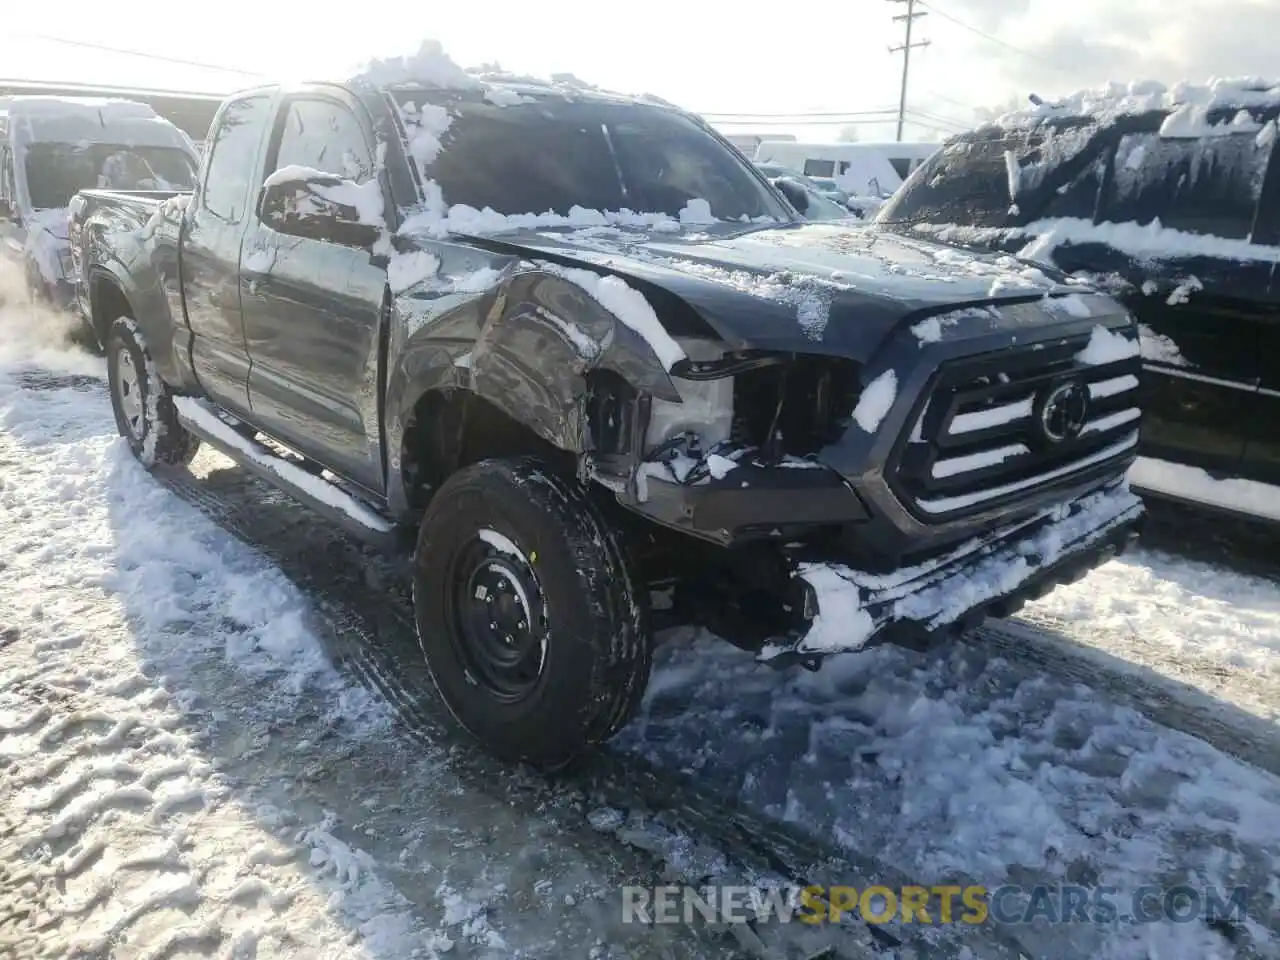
(514, 371)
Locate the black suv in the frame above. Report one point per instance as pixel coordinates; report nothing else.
(1180, 206)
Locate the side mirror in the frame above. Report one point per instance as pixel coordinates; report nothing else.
(317, 207)
(794, 192)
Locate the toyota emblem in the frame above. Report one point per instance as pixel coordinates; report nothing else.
(1064, 411)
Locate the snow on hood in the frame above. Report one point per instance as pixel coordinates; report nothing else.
(1188, 104)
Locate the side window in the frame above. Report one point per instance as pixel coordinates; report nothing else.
(1207, 186)
(819, 168)
(901, 166)
(233, 154)
(324, 136)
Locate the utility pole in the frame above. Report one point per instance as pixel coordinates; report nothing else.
(906, 47)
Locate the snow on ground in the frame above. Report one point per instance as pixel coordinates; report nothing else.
(183, 771)
(1186, 621)
(971, 767)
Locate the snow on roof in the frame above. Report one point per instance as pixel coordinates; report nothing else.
(1189, 103)
(89, 119)
(95, 108)
(429, 67)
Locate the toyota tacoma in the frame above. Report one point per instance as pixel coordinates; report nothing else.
(600, 376)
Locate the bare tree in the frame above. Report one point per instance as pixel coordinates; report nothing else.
(848, 134)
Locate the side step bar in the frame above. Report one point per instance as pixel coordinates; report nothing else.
(334, 504)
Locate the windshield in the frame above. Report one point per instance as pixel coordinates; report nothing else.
(554, 155)
(56, 172)
(967, 182)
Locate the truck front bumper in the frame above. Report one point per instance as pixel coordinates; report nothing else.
(845, 609)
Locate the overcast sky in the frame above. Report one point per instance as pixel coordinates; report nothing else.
(706, 55)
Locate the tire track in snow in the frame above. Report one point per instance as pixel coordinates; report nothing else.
(364, 596)
(465, 849)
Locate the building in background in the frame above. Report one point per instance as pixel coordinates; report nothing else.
(748, 143)
(860, 169)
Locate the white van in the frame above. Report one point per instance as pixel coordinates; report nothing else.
(51, 148)
(860, 169)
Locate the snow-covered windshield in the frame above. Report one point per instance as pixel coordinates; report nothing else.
(553, 155)
(967, 181)
(58, 171)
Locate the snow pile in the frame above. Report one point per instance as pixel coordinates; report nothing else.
(1189, 104)
(876, 401)
(841, 623)
(1106, 346)
(628, 305)
(463, 219)
(365, 198)
(410, 268)
(697, 212)
(430, 66)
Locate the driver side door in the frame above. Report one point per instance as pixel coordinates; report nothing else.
(313, 306)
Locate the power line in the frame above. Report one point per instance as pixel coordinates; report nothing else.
(992, 39)
(788, 116)
(939, 118)
(952, 100)
(799, 123)
(906, 46)
(85, 44)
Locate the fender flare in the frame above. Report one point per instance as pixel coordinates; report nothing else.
(527, 346)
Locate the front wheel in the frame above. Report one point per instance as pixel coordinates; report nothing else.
(142, 402)
(528, 614)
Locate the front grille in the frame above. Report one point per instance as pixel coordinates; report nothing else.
(980, 440)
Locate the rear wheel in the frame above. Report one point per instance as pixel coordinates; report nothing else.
(527, 613)
(142, 402)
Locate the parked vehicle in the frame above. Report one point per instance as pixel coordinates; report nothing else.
(808, 202)
(52, 147)
(1178, 200)
(580, 351)
(826, 189)
(860, 169)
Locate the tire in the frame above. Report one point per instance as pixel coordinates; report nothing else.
(142, 402)
(502, 539)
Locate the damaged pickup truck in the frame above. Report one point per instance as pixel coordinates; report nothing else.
(593, 368)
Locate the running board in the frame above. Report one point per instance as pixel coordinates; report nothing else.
(334, 504)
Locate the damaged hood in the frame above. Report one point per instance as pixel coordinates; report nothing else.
(826, 288)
